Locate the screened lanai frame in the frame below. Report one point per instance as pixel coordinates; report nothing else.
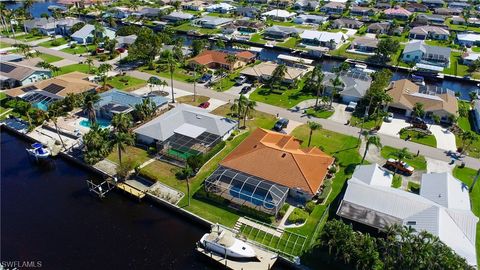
(248, 190)
(181, 147)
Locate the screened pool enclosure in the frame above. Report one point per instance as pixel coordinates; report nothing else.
(248, 190)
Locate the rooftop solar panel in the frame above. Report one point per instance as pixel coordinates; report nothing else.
(53, 88)
(6, 68)
(29, 88)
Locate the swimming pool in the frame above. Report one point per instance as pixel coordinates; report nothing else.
(41, 105)
(255, 198)
(103, 123)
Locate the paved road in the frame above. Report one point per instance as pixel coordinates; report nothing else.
(296, 116)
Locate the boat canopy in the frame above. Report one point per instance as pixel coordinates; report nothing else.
(37, 145)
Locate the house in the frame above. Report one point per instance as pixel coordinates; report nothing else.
(281, 32)
(382, 5)
(416, 7)
(41, 93)
(347, 23)
(468, 58)
(12, 57)
(419, 52)
(219, 59)
(459, 5)
(283, 4)
(355, 84)
(243, 26)
(250, 12)
(397, 12)
(259, 1)
(84, 3)
(473, 21)
(266, 168)
(115, 101)
(333, 8)
(184, 131)
(195, 5)
(306, 5)
(323, 39)
(310, 19)
(429, 32)
(176, 17)
(468, 39)
(405, 94)
(211, 22)
(51, 26)
(433, 3)
(457, 20)
(476, 115)
(378, 28)
(13, 74)
(263, 71)
(364, 45)
(125, 41)
(442, 208)
(86, 33)
(362, 11)
(279, 15)
(448, 11)
(429, 19)
(220, 8)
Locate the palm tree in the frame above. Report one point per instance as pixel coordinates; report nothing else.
(277, 75)
(121, 122)
(335, 83)
(312, 126)
(220, 73)
(89, 62)
(53, 112)
(468, 138)
(248, 111)
(153, 81)
(186, 172)
(317, 79)
(103, 69)
(238, 107)
(371, 140)
(400, 155)
(89, 106)
(418, 110)
(121, 139)
(27, 4)
(231, 59)
(168, 61)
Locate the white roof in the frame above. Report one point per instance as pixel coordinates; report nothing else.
(373, 175)
(225, 6)
(289, 58)
(322, 36)
(379, 205)
(471, 56)
(279, 13)
(190, 130)
(469, 37)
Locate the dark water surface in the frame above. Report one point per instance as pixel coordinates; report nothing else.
(48, 215)
(37, 9)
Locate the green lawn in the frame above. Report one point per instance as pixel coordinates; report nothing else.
(54, 43)
(29, 37)
(342, 51)
(289, 43)
(368, 124)
(188, 27)
(49, 58)
(320, 113)
(286, 98)
(345, 149)
(455, 67)
(476, 49)
(79, 49)
(440, 43)
(5, 45)
(260, 119)
(466, 175)
(419, 163)
(465, 123)
(189, 100)
(126, 83)
(461, 27)
(75, 67)
(419, 137)
(131, 153)
(180, 74)
(257, 38)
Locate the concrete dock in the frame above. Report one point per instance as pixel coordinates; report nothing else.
(131, 190)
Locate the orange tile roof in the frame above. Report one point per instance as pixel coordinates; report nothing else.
(280, 159)
(210, 56)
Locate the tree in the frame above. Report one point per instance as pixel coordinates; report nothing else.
(146, 47)
(231, 59)
(468, 138)
(238, 107)
(198, 45)
(102, 72)
(121, 139)
(418, 110)
(436, 120)
(387, 47)
(336, 83)
(315, 83)
(370, 140)
(145, 110)
(473, 95)
(400, 155)
(77, 27)
(169, 62)
(97, 33)
(153, 81)
(248, 111)
(312, 126)
(278, 75)
(54, 111)
(220, 73)
(122, 122)
(89, 62)
(89, 106)
(97, 144)
(186, 172)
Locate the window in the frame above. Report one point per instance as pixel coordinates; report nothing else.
(411, 223)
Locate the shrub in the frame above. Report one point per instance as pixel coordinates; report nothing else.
(55, 43)
(298, 216)
(283, 210)
(103, 58)
(397, 181)
(310, 206)
(73, 45)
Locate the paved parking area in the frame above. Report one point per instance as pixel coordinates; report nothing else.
(340, 115)
(291, 126)
(438, 166)
(237, 88)
(393, 128)
(215, 103)
(445, 139)
(178, 93)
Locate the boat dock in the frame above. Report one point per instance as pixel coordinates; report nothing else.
(266, 259)
(125, 186)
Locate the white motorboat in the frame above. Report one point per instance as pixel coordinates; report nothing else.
(39, 151)
(420, 80)
(223, 242)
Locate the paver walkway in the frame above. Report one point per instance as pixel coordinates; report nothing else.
(243, 221)
(285, 217)
(445, 139)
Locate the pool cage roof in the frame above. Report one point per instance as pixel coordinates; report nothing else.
(183, 143)
(257, 191)
(38, 97)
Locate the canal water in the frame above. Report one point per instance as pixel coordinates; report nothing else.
(37, 9)
(48, 215)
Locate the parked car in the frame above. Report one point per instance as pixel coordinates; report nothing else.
(418, 122)
(399, 166)
(121, 50)
(241, 80)
(204, 105)
(205, 78)
(280, 124)
(100, 50)
(245, 89)
(388, 118)
(351, 106)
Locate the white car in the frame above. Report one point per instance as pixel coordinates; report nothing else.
(388, 118)
(351, 106)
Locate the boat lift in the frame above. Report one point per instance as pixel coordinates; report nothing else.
(103, 188)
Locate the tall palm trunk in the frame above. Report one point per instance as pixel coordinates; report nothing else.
(310, 137)
(366, 151)
(188, 189)
(245, 117)
(119, 153)
(318, 97)
(59, 136)
(171, 85)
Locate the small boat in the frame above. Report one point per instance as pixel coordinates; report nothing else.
(420, 80)
(223, 242)
(361, 66)
(39, 151)
(55, 7)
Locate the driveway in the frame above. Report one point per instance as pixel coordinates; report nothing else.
(215, 103)
(393, 128)
(235, 90)
(445, 138)
(291, 126)
(178, 93)
(438, 166)
(340, 115)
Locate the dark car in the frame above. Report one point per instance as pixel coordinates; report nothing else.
(418, 122)
(205, 78)
(280, 124)
(204, 105)
(121, 50)
(245, 89)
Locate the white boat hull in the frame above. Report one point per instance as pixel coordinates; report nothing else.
(35, 154)
(239, 249)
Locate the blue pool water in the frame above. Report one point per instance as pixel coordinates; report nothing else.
(103, 123)
(256, 199)
(41, 105)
